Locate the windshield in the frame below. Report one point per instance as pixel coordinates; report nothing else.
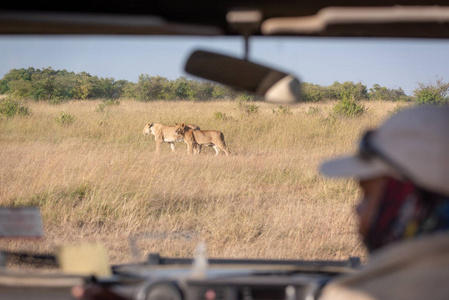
(73, 113)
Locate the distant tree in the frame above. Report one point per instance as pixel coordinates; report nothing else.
(222, 92)
(432, 93)
(105, 88)
(129, 90)
(203, 90)
(183, 89)
(350, 90)
(153, 88)
(15, 75)
(84, 87)
(315, 93)
(378, 92)
(63, 85)
(4, 88)
(59, 85)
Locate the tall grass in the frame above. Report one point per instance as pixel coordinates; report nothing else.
(99, 179)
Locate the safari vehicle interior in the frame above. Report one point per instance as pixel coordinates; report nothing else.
(170, 278)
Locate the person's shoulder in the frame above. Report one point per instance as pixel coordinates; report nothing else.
(412, 269)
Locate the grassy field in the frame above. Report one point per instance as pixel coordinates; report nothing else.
(99, 179)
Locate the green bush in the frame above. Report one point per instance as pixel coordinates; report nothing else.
(336, 91)
(247, 108)
(435, 94)
(183, 90)
(313, 110)
(349, 90)
(282, 110)
(100, 108)
(111, 102)
(59, 85)
(349, 108)
(378, 92)
(106, 103)
(20, 89)
(244, 97)
(65, 119)
(151, 88)
(223, 92)
(315, 93)
(11, 108)
(218, 115)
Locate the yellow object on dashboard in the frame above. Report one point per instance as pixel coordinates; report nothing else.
(84, 259)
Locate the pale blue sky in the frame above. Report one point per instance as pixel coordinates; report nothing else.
(391, 63)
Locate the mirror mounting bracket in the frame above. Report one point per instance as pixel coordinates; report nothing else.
(245, 22)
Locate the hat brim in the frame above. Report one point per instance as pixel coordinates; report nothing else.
(354, 166)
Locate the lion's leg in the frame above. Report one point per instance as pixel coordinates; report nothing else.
(224, 148)
(217, 150)
(172, 146)
(197, 148)
(190, 148)
(159, 138)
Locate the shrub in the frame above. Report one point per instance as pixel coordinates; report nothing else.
(150, 88)
(350, 90)
(218, 115)
(244, 97)
(313, 110)
(111, 102)
(183, 89)
(201, 90)
(10, 108)
(100, 108)
(378, 92)
(222, 92)
(58, 85)
(315, 93)
(247, 108)
(349, 108)
(106, 103)
(432, 93)
(65, 119)
(20, 89)
(282, 110)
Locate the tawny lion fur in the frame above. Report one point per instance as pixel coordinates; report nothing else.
(197, 138)
(164, 134)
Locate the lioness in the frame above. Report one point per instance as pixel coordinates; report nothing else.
(165, 134)
(197, 138)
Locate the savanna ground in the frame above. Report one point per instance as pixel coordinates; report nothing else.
(99, 179)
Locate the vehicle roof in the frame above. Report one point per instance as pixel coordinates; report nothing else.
(403, 18)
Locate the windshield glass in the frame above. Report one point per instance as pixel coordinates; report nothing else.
(73, 112)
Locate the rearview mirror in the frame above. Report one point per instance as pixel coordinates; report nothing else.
(275, 86)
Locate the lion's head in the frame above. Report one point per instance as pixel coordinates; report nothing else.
(147, 129)
(180, 129)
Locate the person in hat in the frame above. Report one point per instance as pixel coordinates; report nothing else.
(403, 171)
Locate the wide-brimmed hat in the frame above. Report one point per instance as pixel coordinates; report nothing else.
(413, 145)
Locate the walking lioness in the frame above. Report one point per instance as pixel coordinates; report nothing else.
(165, 134)
(197, 138)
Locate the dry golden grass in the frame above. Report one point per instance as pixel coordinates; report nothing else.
(100, 180)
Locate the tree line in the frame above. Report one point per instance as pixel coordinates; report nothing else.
(61, 85)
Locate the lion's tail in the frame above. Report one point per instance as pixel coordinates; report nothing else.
(225, 148)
